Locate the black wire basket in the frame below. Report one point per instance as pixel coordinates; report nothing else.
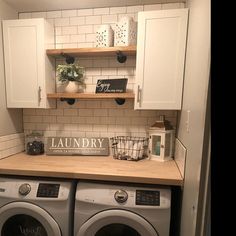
(129, 148)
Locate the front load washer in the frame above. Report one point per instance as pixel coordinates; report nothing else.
(105, 209)
(36, 207)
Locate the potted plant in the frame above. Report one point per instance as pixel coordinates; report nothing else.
(72, 76)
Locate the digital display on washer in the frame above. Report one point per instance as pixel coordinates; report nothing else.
(48, 190)
(147, 197)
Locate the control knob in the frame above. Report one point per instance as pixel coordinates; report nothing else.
(24, 189)
(121, 196)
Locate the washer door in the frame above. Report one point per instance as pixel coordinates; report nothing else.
(116, 223)
(22, 218)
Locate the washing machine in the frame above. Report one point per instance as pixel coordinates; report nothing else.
(105, 209)
(36, 207)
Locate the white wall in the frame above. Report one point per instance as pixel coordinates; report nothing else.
(194, 100)
(10, 119)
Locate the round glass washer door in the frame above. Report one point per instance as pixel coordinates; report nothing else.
(116, 223)
(22, 218)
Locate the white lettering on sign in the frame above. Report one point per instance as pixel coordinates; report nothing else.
(77, 146)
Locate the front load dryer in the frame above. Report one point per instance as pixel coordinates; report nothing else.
(105, 209)
(36, 207)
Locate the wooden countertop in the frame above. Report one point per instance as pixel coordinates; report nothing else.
(93, 167)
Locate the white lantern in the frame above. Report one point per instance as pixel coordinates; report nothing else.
(161, 140)
(125, 32)
(104, 36)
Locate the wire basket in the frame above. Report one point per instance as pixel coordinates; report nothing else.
(129, 148)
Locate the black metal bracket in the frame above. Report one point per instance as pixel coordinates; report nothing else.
(69, 59)
(70, 101)
(120, 101)
(121, 58)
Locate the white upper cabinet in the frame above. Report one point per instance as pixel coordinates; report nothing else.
(160, 60)
(30, 74)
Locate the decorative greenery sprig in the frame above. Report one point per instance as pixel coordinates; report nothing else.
(70, 72)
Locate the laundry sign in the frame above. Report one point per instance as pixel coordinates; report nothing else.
(77, 146)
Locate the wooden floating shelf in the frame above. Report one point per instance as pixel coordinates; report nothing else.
(86, 52)
(91, 95)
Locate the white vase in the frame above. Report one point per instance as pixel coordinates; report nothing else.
(72, 87)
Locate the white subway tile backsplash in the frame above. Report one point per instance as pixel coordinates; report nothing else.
(85, 29)
(77, 38)
(11, 144)
(170, 6)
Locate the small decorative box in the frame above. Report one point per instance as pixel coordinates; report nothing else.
(125, 32)
(104, 36)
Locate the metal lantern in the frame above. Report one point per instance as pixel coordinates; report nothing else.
(161, 142)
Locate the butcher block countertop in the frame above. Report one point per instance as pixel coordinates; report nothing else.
(93, 168)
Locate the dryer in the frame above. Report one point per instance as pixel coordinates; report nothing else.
(105, 209)
(36, 207)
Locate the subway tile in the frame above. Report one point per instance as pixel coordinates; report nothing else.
(152, 7)
(115, 112)
(92, 134)
(69, 13)
(77, 134)
(84, 127)
(25, 15)
(56, 112)
(134, 9)
(53, 14)
(29, 111)
(101, 11)
(107, 19)
(63, 119)
(61, 22)
(63, 39)
(38, 15)
(125, 71)
(80, 20)
(85, 12)
(100, 112)
(117, 10)
(109, 71)
(92, 71)
(78, 120)
(170, 6)
(70, 112)
(90, 37)
(85, 29)
(69, 30)
(93, 20)
(100, 128)
(58, 30)
(49, 119)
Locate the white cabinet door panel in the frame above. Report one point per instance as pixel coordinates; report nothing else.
(25, 53)
(160, 59)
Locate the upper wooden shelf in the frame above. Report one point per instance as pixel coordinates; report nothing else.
(86, 52)
(91, 95)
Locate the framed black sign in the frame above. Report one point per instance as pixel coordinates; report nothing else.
(111, 85)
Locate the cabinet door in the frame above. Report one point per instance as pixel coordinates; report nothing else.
(160, 59)
(23, 51)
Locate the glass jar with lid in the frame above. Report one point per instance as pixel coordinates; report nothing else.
(34, 144)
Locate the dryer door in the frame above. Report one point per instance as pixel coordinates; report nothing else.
(22, 218)
(117, 223)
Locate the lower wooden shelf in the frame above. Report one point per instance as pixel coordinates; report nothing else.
(91, 95)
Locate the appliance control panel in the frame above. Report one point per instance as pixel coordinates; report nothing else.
(147, 197)
(48, 190)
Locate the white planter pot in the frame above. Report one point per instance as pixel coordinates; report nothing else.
(72, 87)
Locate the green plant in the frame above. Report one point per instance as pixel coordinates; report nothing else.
(70, 72)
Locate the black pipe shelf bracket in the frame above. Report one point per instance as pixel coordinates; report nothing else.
(121, 58)
(69, 59)
(70, 101)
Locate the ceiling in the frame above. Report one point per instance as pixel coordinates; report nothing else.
(50, 5)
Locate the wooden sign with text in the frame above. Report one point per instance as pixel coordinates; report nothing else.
(77, 146)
